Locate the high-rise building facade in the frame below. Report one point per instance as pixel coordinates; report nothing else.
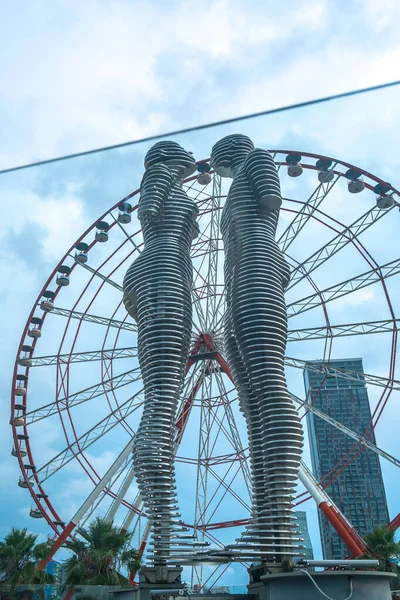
(303, 530)
(358, 491)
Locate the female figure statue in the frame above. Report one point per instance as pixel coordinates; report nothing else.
(157, 294)
(256, 275)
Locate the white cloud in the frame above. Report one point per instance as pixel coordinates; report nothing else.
(61, 217)
(106, 73)
(382, 16)
(356, 298)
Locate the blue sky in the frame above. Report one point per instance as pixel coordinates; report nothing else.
(78, 76)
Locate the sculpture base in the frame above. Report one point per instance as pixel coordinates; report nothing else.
(367, 585)
(160, 575)
(165, 579)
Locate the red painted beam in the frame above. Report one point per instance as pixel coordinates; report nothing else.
(394, 523)
(57, 544)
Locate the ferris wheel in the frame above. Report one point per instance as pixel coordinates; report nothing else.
(77, 381)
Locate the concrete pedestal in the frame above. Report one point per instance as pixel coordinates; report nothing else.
(160, 575)
(157, 578)
(367, 585)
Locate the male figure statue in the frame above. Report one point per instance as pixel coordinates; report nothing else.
(256, 275)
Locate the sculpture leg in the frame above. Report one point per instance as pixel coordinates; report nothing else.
(260, 331)
(248, 405)
(164, 328)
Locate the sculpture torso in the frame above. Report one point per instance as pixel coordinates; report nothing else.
(167, 238)
(169, 235)
(248, 233)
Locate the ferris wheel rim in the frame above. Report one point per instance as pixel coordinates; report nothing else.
(68, 253)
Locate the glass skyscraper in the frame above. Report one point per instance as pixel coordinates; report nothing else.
(358, 491)
(303, 530)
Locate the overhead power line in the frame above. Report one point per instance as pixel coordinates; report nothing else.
(159, 136)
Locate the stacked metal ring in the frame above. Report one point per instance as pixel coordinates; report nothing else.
(256, 274)
(157, 294)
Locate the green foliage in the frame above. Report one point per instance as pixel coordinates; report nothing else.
(98, 558)
(19, 555)
(383, 546)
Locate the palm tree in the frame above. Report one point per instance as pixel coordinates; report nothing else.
(101, 554)
(19, 555)
(383, 546)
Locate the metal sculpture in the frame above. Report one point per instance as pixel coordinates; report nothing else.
(157, 294)
(256, 275)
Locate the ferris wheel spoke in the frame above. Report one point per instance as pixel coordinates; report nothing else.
(98, 431)
(97, 273)
(347, 329)
(129, 237)
(196, 193)
(204, 453)
(199, 291)
(222, 429)
(355, 436)
(337, 243)
(123, 489)
(228, 489)
(105, 494)
(213, 254)
(306, 212)
(222, 569)
(343, 288)
(325, 369)
(206, 457)
(74, 314)
(85, 395)
(203, 239)
(131, 514)
(204, 525)
(200, 520)
(78, 357)
(191, 386)
(204, 236)
(220, 315)
(218, 311)
(198, 310)
(237, 442)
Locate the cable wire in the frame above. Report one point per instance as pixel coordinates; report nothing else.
(159, 136)
(322, 592)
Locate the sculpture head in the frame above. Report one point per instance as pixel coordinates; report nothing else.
(229, 153)
(172, 155)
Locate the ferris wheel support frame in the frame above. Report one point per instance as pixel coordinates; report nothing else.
(85, 316)
(341, 525)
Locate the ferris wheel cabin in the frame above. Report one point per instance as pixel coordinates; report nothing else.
(81, 251)
(124, 215)
(63, 275)
(47, 303)
(35, 327)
